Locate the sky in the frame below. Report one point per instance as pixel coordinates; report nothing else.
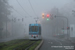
(39, 6)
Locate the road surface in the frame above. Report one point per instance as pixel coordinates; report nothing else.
(56, 44)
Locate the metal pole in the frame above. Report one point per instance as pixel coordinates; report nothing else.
(53, 29)
(12, 25)
(67, 26)
(36, 19)
(67, 29)
(6, 27)
(57, 27)
(63, 26)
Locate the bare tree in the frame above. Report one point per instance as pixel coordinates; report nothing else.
(4, 12)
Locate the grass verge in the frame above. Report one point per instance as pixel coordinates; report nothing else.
(35, 45)
(13, 46)
(25, 46)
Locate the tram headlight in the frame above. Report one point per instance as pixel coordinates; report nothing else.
(32, 35)
(36, 35)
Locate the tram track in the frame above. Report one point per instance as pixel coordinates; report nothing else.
(21, 45)
(25, 46)
(10, 44)
(30, 45)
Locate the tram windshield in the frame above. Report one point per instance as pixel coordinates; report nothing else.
(33, 29)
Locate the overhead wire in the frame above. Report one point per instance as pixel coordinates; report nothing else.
(17, 11)
(22, 7)
(32, 7)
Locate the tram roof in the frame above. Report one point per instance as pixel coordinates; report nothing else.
(34, 25)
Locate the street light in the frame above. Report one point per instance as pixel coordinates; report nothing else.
(67, 24)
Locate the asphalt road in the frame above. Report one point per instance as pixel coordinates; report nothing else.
(56, 44)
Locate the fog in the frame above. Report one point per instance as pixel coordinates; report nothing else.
(25, 12)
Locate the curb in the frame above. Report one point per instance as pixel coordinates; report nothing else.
(39, 45)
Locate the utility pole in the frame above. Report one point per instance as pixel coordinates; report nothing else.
(12, 25)
(6, 26)
(63, 26)
(36, 19)
(57, 26)
(67, 24)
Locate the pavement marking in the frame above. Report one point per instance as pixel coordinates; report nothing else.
(65, 41)
(48, 42)
(59, 42)
(51, 42)
(62, 40)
